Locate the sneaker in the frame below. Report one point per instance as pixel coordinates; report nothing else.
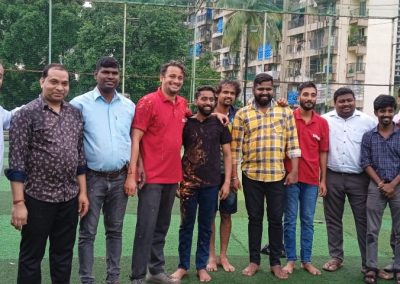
(161, 278)
(137, 281)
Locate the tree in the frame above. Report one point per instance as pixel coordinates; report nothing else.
(251, 20)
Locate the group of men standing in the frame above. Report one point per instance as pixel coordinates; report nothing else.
(80, 158)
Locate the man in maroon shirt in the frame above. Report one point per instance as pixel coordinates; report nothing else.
(313, 133)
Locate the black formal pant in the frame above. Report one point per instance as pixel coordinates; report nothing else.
(255, 194)
(56, 222)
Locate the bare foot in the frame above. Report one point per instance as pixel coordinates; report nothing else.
(251, 269)
(289, 267)
(212, 264)
(307, 266)
(179, 273)
(226, 265)
(203, 275)
(279, 272)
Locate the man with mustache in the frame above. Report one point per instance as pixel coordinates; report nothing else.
(262, 134)
(227, 92)
(380, 157)
(313, 135)
(345, 176)
(107, 119)
(203, 138)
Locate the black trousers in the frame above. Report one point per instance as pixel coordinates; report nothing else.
(56, 222)
(255, 194)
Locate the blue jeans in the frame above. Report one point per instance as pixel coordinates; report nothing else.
(305, 195)
(206, 199)
(107, 194)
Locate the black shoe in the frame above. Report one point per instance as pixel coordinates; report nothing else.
(265, 250)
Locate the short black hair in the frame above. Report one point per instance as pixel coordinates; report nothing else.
(204, 88)
(304, 85)
(384, 101)
(56, 66)
(262, 77)
(235, 84)
(107, 62)
(341, 92)
(172, 63)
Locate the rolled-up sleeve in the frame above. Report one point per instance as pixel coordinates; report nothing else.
(292, 141)
(366, 158)
(20, 133)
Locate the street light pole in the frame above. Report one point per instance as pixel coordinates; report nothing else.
(50, 27)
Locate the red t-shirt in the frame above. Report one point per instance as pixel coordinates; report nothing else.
(313, 139)
(162, 123)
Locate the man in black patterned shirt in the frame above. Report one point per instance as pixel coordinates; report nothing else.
(47, 175)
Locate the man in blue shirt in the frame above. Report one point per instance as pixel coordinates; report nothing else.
(107, 118)
(380, 158)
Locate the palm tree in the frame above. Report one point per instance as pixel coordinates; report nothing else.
(250, 18)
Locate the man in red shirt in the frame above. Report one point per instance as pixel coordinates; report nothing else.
(157, 136)
(313, 134)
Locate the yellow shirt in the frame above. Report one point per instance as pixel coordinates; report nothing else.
(260, 141)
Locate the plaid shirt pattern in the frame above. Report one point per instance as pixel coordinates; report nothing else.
(260, 141)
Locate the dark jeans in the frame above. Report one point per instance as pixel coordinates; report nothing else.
(56, 222)
(206, 199)
(153, 219)
(255, 192)
(355, 187)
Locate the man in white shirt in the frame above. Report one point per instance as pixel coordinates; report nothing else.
(345, 177)
(5, 118)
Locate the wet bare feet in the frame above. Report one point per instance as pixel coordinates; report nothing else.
(226, 265)
(179, 273)
(307, 266)
(289, 267)
(212, 264)
(203, 275)
(251, 269)
(279, 272)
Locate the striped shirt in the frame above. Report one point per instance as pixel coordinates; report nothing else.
(261, 140)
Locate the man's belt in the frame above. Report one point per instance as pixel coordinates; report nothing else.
(113, 174)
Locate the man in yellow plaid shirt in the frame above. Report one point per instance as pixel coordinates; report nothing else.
(262, 134)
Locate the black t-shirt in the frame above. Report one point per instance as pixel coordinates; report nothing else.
(201, 159)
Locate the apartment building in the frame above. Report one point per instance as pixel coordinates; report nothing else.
(333, 43)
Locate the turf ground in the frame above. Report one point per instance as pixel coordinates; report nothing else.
(238, 251)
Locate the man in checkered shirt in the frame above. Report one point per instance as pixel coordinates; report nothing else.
(262, 134)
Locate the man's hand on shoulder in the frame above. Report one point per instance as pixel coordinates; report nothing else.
(224, 119)
(282, 102)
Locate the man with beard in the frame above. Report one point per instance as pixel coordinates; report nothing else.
(107, 118)
(380, 158)
(227, 92)
(313, 135)
(261, 134)
(344, 176)
(203, 137)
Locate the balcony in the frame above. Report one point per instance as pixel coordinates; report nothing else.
(355, 17)
(358, 44)
(295, 23)
(356, 70)
(226, 64)
(295, 49)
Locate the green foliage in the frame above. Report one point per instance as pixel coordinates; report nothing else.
(253, 21)
(154, 35)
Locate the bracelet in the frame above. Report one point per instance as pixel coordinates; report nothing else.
(18, 201)
(234, 178)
